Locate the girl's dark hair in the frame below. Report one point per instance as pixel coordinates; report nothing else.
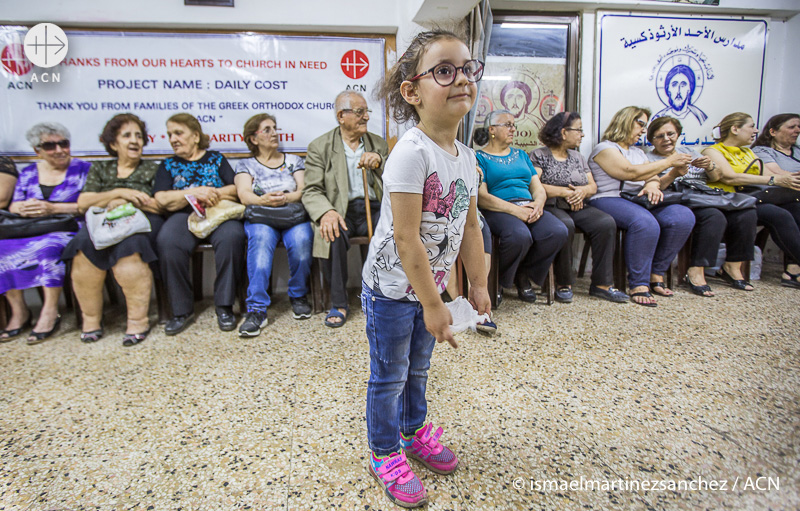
(481, 135)
(112, 127)
(191, 122)
(774, 123)
(659, 123)
(550, 134)
(251, 127)
(405, 69)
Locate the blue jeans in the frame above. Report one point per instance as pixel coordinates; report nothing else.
(653, 238)
(400, 350)
(261, 242)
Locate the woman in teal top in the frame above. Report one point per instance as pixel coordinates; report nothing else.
(512, 202)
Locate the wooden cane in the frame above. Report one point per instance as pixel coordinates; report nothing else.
(366, 201)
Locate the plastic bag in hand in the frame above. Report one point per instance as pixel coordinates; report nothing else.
(464, 316)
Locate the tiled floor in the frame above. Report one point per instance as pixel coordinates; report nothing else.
(696, 389)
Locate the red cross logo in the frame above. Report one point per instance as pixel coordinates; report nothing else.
(355, 64)
(14, 61)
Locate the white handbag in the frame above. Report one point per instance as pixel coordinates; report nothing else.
(105, 233)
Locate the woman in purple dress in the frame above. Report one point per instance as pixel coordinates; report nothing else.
(46, 188)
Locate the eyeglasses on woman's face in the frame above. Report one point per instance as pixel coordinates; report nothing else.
(579, 130)
(268, 130)
(507, 125)
(641, 123)
(669, 135)
(445, 73)
(51, 146)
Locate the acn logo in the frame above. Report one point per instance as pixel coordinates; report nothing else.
(13, 60)
(355, 64)
(46, 45)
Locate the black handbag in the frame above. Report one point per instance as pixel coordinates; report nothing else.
(280, 217)
(697, 195)
(669, 199)
(13, 226)
(766, 194)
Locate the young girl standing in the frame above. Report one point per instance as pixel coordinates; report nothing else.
(430, 188)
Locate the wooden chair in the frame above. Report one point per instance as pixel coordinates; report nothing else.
(495, 291)
(197, 278)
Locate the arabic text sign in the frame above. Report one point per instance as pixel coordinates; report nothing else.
(222, 79)
(692, 68)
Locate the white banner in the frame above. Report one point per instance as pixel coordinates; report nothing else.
(222, 79)
(696, 69)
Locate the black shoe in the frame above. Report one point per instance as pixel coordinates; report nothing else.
(611, 294)
(226, 319)
(563, 294)
(40, 337)
(254, 321)
(525, 290)
(178, 324)
(300, 308)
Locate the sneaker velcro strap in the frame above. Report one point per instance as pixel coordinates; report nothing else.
(435, 437)
(389, 465)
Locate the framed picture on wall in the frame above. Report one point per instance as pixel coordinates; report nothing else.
(530, 70)
(218, 3)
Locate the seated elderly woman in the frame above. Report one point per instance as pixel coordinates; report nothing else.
(209, 177)
(125, 180)
(569, 184)
(736, 228)
(272, 178)
(8, 180)
(653, 237)
(48, 187)
(512, 200)
(733, 157)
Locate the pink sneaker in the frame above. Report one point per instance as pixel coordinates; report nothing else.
(401, 485)
(426, 449)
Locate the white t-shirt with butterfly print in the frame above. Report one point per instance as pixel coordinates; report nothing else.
(446, 183)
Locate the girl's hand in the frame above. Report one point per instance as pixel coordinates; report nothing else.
(479, 298)
(437, 321)
(654, 193)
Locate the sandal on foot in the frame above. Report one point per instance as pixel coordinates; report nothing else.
(663, 289)
(134, 339)
(39, 337)
(645, 294)
(93, 336)
(15, 332)
(739, 284)
(698, 290)
(334, 313)
(791, 281)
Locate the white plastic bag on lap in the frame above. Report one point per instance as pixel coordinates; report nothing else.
(464, 316)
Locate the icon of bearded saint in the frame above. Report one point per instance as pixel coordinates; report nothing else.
(679, 87)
